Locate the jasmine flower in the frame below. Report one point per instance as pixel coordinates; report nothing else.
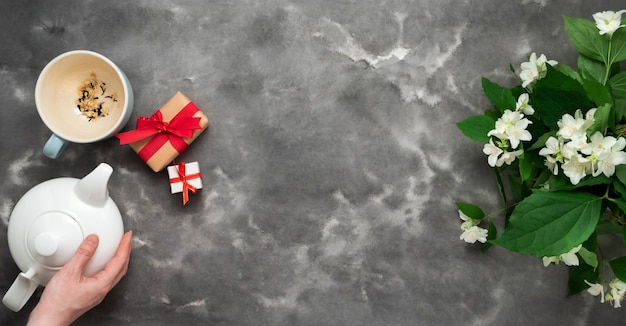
(569, 258)
(523, 105)
(493, 152)
(596, 289)
(576, 168)
(508, 157)
(473, 234)
(534, 69)
(553, 154)
(608, 21)
(573, 127)
(512, 126)
(617, 288)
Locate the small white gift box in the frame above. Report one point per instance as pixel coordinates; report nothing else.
(184, 177)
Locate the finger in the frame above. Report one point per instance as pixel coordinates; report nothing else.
(116, 268)
(83, 254)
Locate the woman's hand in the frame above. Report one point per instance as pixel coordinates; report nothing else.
(69, 294)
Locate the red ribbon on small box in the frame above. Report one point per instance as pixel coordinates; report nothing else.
(178, 174)
(181, 126)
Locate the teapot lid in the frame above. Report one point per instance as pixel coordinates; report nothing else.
(52, 239)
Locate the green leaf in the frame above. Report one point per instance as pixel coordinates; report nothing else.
(525, 168)
(552, 104)
(556, 79)
(587, 40)
(618, 46)
(493, 113)
(558, 183)
(589, 257)
(501, 97)
(620, 109)
(477, 127)
(621, 203)
(470, 210)
(516, 187)
(492, 232)
(617, 87)
(502, 193)
(569, 72)
(591, 69)
(551, 223)
(517, 91)
(597, 92)
(542, 178)
(593, 181)
(557, 94)
(578, 275)
(585, 37)
(618, 265)
(561, 182)
(620, 173)
(620, 188)
(512, 69)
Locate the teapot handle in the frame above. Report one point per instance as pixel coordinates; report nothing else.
(20, 291)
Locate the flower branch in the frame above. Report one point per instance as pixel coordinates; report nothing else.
(559, 138)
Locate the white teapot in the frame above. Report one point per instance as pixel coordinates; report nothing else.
(50, 221)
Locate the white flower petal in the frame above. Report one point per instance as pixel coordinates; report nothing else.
(595, 289)
(548, 260)
(570, 259)
(474, 234)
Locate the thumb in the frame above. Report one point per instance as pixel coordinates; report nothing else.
(83, 254)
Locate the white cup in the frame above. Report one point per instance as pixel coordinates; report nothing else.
(64, 109)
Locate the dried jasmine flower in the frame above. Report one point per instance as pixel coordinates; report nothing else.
(91, 98)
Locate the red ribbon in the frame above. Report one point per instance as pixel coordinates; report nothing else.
(175, 131)
(183, 177)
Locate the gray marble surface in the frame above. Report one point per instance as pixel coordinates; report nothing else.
(330, 166)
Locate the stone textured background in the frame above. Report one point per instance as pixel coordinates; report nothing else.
(330, 166)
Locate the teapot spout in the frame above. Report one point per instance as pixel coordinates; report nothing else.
(92, 189)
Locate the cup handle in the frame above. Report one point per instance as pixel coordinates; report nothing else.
(20, 291)
(54, 146)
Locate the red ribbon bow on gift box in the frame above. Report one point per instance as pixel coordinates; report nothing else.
(183, 177)
(175, 131)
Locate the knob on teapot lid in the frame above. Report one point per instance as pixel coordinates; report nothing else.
(53, 238)
(46, 244)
